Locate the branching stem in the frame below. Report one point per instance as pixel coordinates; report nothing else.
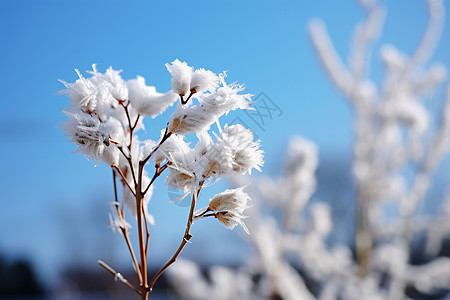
(183, 102)
(130, 163)
(124, 230)
(158, 172)
(166, 135)
(118, 276)
(123, 178)
(186, 237)
(139, 210)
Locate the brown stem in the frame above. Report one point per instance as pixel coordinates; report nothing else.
(133, 256)
(124, 230)
(166, 135)
(202, 214)
(146, 230)
(183, 102)
(136, 122)
(123, 178)
(211, 215)
(187, 236)
(363, 235)
(131, 128)
(143, 246)
(143, 256)
(116, 275)
(130, 162)
(125, 107)
(158, 172)
(116, 199)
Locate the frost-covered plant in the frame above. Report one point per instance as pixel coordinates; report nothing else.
(104, 117)
(395, 132)
(399, 142)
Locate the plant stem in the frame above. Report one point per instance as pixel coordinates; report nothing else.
(124, 230)
(118, 276)
(143, 256)
(130, 162)
(136, 122)
(158, 172)
(143, 245)
(167, 134)
(202, 215)
(133, 256)
(147, 240)
(186, 237)
(123, 178)
(363, 235)
(125, 107)
(183, 102)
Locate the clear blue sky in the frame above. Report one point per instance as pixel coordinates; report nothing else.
(54, 204)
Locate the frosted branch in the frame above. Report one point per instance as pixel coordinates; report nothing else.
(329, 57)
(364, 36)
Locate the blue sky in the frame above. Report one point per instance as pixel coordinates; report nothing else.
(51, 199)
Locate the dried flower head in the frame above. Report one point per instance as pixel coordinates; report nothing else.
(98, 94)
(146, 100)
(91, 136)
(204, 80)
(113, 81)
(228, 207)
(198, 118)
(181, 77)
(235, 152)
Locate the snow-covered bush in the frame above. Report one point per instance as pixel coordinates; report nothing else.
(399, 142)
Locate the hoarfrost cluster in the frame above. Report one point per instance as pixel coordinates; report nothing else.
(104, 118)
(399, 143)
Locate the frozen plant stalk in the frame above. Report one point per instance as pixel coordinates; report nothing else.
(393, 131)
(104, 116)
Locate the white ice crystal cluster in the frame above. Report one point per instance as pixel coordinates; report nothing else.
(106, 111)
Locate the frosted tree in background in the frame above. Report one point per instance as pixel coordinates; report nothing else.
(399, 143)
(104, 119)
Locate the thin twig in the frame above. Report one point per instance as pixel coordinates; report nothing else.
(143, 246)
(130, 162)
(124, 230)
(115, 185)
(143, 255)
(123, 153)
(187, 236)
(202, 214)
(166, 135)
(118, 276)
(209, 215)
(158, 172)
(133, 256)
(135, 123)
(131, 128)
(123, 178)
(146, 230)
(125, 107)
(189, 97)
(330, 59)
